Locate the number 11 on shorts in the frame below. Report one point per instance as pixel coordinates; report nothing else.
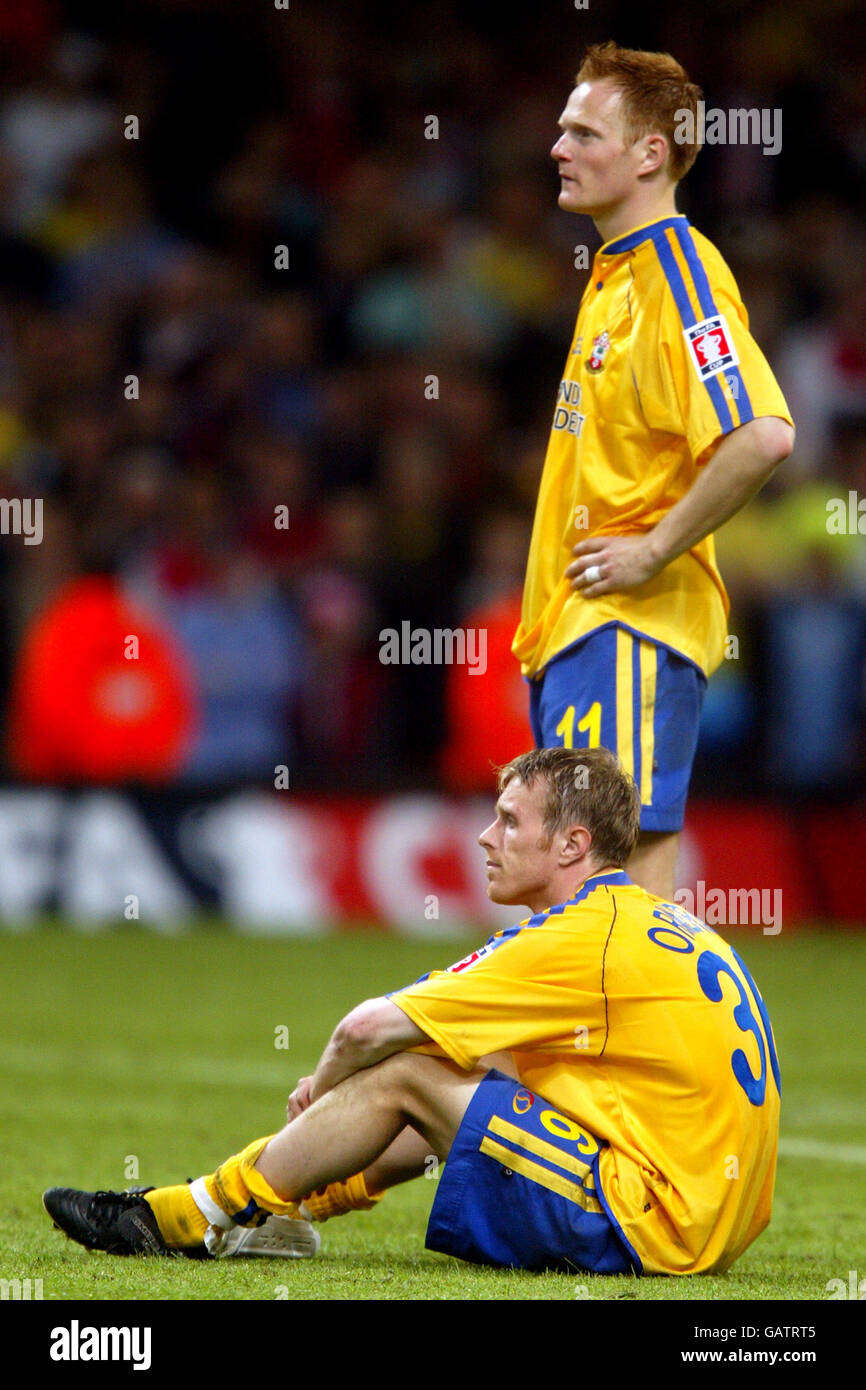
(590, 724)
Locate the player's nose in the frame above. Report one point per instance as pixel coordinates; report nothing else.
(484, 839)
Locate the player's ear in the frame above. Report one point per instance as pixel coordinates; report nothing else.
(654, 152)
(575, 845)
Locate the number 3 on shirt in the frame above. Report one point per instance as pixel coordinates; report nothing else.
(710, 967)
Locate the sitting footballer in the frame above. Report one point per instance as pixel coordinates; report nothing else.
(600, 1080)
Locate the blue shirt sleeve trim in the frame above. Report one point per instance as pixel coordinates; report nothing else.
(688, 319)
(708, 307)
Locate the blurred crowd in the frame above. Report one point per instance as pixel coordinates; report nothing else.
(284, 298)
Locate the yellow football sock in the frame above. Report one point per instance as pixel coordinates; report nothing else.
(340, 1197)
(238, 1187)
(180, 1222)
(237, 1191)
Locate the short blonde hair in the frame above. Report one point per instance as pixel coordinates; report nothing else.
(585, 786)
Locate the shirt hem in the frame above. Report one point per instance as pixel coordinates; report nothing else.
(434, 1033)
(628, 627)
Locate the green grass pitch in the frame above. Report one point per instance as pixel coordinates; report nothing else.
(137, 1057)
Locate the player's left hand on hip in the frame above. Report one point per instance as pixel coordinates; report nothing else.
(605, 564)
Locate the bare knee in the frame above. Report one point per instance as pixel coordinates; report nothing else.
(431, 1093)
(410, 1077)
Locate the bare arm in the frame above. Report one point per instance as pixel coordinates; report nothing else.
(371, 1032)
(740, 466)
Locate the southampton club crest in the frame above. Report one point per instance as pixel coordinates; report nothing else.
(600, 349)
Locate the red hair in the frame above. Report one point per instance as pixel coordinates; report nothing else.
(655, 91)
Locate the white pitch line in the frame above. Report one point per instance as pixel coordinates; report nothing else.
(120, 1065)
(204, 1071)
(791, 1147)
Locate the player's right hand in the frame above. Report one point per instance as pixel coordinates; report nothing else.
(299, 1099)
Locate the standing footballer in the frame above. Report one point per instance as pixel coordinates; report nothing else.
(668, 419)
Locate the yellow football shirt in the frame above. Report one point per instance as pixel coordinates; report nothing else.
(641, 1024)
(661, 367)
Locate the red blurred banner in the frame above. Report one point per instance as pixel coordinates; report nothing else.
(284, 863)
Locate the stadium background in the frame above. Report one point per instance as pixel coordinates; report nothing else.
(280, 293)
(252, 766)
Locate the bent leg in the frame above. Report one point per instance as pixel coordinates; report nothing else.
(406, 1158)
(409, 1156)
(348, 1129)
